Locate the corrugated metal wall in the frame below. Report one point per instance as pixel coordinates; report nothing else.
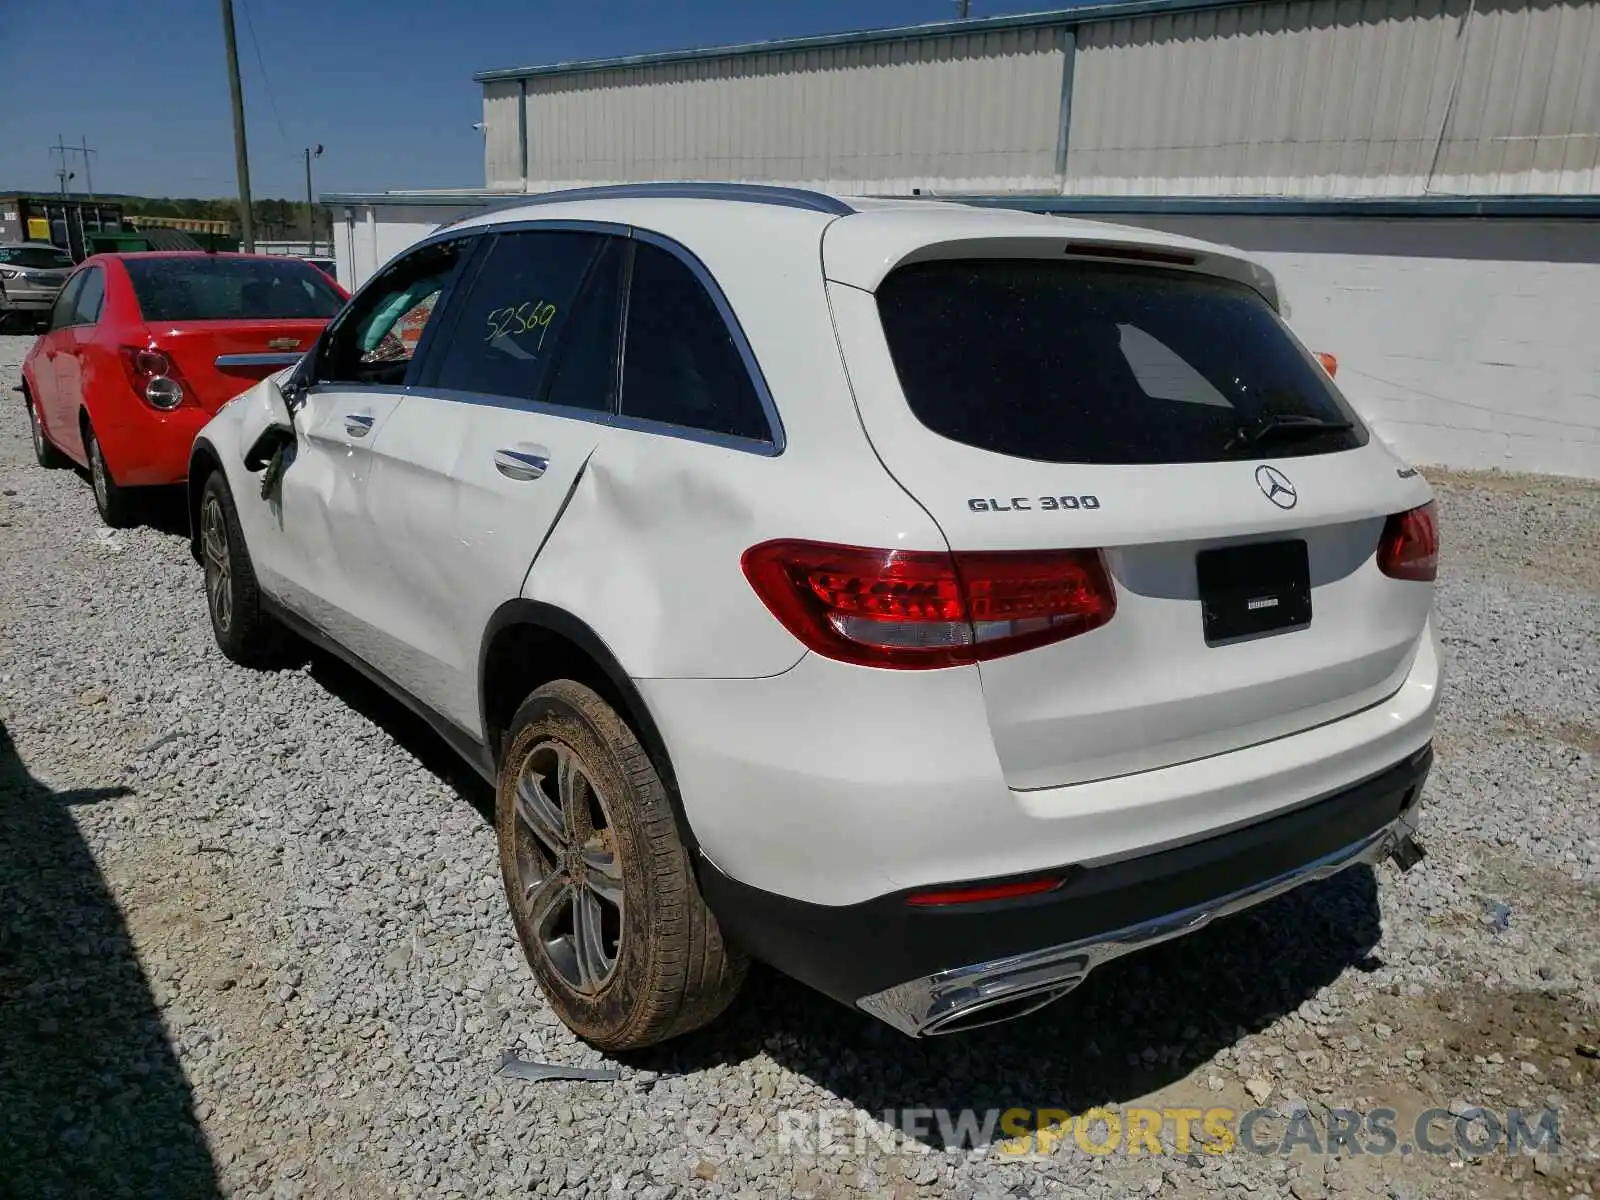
(502, 136)
(1340, 98)
(1275, 98)
(979, 112)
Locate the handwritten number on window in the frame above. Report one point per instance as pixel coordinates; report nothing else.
(531, 316)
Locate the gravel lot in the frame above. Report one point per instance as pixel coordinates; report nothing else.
(252, 940)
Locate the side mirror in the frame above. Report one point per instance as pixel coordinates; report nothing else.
(266, 424)
(268, 442)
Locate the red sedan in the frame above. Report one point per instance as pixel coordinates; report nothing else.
(143, 348)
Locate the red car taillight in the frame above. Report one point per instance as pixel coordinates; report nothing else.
(916, 609)
(154, 376)
(1409, 547)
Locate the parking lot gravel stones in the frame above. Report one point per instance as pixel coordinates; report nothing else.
(252, 940)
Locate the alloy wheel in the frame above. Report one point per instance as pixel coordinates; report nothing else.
(568, 871)
(38, 431)
(218, 568)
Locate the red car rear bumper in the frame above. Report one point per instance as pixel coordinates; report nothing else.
(144, 447)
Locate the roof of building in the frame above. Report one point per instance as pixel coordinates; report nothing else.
(1105, 207)
(1116, 9)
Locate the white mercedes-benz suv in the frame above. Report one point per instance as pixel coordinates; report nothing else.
(931, 601)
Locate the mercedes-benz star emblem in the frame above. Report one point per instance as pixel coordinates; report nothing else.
(1275, 486)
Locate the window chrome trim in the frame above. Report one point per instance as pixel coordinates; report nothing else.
(595, 416)
(777, 439)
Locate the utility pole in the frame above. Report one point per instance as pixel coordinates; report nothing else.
(964, 7)
(311, 210)
(60, 150)
(88, 175)
(247, 227)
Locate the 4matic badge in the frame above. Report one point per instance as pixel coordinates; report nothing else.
(1029, 503)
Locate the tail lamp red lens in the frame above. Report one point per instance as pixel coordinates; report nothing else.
(914, 609)
(154, 376)
(983, 892)
(1409, 547)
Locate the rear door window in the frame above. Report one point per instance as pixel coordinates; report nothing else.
(1101, 363)
(86, 309)
(680, 363)
(66, 301)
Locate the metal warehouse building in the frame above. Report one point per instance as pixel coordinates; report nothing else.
(1423, 175)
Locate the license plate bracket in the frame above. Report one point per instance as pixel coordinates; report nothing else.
(1253, 590)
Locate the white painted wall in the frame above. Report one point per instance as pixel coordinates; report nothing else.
(365, 236)
(1468, 343)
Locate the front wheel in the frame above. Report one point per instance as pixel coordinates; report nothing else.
(244, 631)
(599, 883)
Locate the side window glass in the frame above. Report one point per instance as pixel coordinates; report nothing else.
(66, 301)
(584, 373)
(680, 363)
(86, 309)
(375, 338)
(516, 314)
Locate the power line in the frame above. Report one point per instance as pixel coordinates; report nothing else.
(250, 26)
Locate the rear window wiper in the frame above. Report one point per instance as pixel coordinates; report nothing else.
(1285, 428)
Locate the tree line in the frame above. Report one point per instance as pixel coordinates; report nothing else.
(274, 219)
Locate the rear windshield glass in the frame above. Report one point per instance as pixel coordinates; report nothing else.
(35, 257)
(1094, 363)
(203, 288)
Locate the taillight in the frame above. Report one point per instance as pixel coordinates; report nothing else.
(1409, 547)
(984, 893)
(154, 376)
(928, 608)
(1330, 363)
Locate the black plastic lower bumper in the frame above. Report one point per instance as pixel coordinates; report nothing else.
(851, 951)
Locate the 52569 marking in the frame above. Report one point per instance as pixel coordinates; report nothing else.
(1028, 503)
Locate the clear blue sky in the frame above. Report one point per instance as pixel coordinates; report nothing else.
(386, 87)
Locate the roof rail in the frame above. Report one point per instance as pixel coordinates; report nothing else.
(751, 193)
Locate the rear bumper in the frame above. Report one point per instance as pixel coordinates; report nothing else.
(147, 448)
(940, 969)
(836, 784)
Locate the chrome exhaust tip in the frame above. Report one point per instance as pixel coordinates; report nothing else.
(988, 993)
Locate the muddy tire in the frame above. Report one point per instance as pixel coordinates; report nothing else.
(117, 505)
(245, 633)
(598, 881)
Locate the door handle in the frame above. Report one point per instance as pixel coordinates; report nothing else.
(520, 464)
(358, 424)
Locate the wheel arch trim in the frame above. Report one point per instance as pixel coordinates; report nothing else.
(549, 618)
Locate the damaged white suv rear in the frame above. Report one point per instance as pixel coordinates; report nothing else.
(933, 602)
